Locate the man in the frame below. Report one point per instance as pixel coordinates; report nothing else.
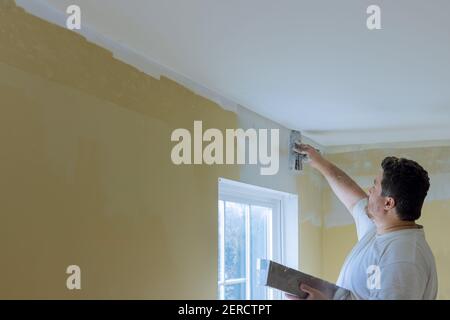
(392, 260)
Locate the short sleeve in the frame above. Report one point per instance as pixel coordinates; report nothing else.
(362, 220)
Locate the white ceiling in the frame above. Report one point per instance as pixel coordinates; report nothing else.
(309, 65)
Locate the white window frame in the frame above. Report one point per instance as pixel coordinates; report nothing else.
(283, 231)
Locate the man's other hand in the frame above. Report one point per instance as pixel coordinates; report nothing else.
(313, 294)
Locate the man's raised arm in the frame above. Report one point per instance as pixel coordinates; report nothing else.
(345, 188)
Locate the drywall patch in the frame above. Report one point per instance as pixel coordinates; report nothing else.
(338, 214)
(440, 187)
(384, 146)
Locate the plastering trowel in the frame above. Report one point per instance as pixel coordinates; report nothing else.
(296, 159)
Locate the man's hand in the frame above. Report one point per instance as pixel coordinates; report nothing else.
(313, 294)
(315, 157)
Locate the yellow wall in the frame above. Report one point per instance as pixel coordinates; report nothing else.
(337, 243)
(310, 185)
(363, 166)
(86, 176)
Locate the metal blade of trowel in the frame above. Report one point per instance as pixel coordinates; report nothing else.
(295, 159)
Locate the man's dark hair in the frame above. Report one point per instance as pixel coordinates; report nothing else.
(408, 183)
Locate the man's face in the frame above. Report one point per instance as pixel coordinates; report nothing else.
(377, 202)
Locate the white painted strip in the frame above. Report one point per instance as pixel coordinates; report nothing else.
(44, 10)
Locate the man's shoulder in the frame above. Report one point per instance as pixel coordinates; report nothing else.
(363, 223)
(403, 247)
(360, 206)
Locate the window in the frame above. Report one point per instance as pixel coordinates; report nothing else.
(251, 228)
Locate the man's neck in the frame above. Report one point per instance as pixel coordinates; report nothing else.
(396, 226)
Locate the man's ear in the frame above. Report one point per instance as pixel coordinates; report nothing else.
(389, 203)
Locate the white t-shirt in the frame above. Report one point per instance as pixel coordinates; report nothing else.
(394, 266)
